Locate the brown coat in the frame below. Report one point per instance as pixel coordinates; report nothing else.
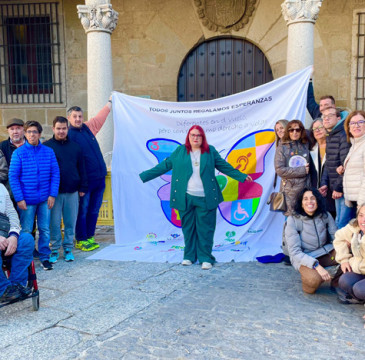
(293, 179)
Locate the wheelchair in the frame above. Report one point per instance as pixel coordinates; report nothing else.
(32, 284)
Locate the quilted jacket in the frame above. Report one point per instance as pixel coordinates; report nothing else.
(354, 177)
(337, 149)
(309, 242)
(34, 174)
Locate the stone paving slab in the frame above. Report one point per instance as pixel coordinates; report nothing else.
(47, 344)
(130, 310)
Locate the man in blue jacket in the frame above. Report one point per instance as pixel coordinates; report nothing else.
(73, 184)
(34, 178)
(325, 102)
(85, 135)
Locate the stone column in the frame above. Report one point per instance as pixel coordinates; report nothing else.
(300, 16)
(99, 20)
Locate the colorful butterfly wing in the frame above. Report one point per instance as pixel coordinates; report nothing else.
(161, 149)
(241, 200)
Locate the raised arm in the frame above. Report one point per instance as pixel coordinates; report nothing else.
(312, 106)
(96, 123)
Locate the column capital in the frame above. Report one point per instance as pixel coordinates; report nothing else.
(98, 17)
(300, 10)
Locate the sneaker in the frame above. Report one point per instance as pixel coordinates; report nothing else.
(206, 266)
(93, 243)
(46, 265)
(186, 262)
(54, 257)
(345, 298)
(68, 255)
(24, 290)
(84, 246)
(11, 293)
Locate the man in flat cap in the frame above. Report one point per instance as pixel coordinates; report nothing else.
(16, 138)
(7, 147)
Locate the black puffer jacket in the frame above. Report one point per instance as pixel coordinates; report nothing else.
(336, 151)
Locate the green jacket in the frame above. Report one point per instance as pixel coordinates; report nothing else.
(180, 163)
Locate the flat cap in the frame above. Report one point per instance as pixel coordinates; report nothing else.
(14, 121)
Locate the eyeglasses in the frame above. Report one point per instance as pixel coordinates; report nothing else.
(295, 130)
(357, 123)
(30, 132)
(196, 136)
(318, 128)
(329, 116)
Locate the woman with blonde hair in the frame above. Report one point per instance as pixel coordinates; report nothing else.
(279, 128)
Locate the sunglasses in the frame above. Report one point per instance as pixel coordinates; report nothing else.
(295, 130)
(318, 128)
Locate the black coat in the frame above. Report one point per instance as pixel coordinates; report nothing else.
(337, 148)
(7, 148)
(71, 163)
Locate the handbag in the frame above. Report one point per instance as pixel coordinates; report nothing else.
(4, 225)
(277, 200)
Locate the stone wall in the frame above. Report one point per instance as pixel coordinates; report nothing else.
(154, 36)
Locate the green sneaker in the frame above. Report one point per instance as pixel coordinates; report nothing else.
(84, 246)
(93, 243)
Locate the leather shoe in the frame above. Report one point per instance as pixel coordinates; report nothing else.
(11, 293)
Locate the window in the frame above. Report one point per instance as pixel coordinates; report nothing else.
(30, 68)
(360, 62)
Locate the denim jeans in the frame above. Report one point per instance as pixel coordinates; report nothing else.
(89, 208)
(353, 284)
(343, 213)
(66, 206)
(43, 219)
(20, 262)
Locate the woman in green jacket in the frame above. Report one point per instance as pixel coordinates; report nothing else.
(195, 192)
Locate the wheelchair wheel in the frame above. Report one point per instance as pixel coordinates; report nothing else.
(35, 301)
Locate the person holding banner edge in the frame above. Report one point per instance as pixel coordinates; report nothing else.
(195, 192)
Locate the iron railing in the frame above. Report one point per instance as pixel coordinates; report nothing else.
(30, 59)
(360, 64)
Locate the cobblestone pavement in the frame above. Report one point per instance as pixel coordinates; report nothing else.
(130, 310)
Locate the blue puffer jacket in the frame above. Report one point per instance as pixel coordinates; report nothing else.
(34, 174)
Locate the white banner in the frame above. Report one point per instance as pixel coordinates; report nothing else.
(240, 127)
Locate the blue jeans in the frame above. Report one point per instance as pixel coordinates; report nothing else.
(43, 218)
(89, 208)
(66, 206)
(343, 213)
(20, 262)
(353, 284)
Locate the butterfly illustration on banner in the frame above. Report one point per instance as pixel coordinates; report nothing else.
(241, 200)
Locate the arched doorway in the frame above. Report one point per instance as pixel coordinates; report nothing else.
(221, 67)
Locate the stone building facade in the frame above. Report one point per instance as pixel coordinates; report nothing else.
(153, 38)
